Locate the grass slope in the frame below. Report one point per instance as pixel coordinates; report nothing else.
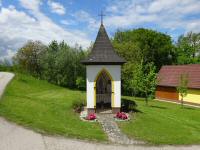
(164, 123)
(46, 108)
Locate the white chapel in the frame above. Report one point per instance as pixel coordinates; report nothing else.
(103, 73)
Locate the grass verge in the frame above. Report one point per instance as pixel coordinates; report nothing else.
(163, 123)
(46, 108)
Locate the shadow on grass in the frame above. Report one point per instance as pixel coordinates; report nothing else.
(190, 108)
(129, 105)
(158, 107)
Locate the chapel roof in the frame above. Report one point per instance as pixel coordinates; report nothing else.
(103, 52)
(170, 75)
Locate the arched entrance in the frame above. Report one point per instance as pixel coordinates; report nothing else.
(103, 91)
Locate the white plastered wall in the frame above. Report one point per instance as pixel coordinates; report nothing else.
(92, 72)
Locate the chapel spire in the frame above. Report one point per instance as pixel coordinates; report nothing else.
(102, 15)
(103, 51)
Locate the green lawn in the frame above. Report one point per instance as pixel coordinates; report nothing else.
(164, 123)
(46, 108)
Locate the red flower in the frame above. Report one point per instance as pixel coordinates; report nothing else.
(91, 116)
(124, 116)
(121, 115)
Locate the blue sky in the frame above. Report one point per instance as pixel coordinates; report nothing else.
(77, 21)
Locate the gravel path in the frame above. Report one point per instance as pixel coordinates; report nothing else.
(15, 137)
(111, 128)
(5, 77)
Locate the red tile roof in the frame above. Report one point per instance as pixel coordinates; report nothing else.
(170, 75)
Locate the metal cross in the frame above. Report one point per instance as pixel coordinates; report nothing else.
(102, 16)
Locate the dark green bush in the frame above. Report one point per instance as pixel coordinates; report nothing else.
(81, 83)
(77, 105)
(128, 105)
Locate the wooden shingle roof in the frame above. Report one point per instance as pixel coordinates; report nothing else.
(103, 52)
(170, 75)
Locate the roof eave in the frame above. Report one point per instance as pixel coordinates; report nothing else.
(189, 87)
(102, 63)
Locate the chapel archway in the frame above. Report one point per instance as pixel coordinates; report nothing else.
(103, 91)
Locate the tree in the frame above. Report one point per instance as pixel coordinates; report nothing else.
(182, 86)
(62, 64)
(127, 76)
(144, 44)
(5, 65)
(29, 57)
(144, 80)
(188, 48)
(58, 63)
(136, 77)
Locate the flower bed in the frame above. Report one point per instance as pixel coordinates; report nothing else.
(121, 116)
(91, 116)
(88, 117)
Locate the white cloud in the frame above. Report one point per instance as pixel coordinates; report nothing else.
(158, 6)
(169, 14)
(68, 22)
(193, 26)
(56, 7)
(8, 56)
(31, 4)
(17, 27)
(83, 16)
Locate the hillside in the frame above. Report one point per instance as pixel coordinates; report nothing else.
(46, 108)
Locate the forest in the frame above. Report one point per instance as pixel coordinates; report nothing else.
(145, 51)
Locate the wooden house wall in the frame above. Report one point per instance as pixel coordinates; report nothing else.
(168, 93)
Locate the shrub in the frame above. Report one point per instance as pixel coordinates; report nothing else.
(81, 83)
(128, 105)
(77, 106)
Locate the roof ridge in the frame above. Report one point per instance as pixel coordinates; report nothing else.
(181, 65)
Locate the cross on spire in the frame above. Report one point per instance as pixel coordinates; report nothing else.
(101, 15)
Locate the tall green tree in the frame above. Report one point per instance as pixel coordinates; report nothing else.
(29, 57)
(49, 62)
(58, 63)
(62, 64)
(127, 76)
(188, 48)
(142, 45)
(145, 44)
(144, 80)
